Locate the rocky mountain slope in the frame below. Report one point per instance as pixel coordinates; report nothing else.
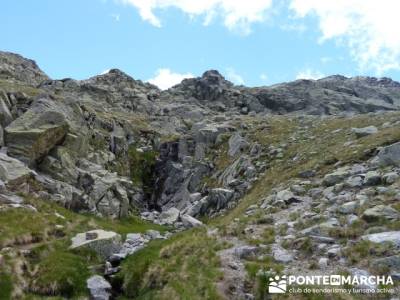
(113, 188)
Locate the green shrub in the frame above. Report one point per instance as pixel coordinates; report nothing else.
(141, 165)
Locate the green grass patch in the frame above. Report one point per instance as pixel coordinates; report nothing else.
(6, 286)
(141, 165)
(62, 273)
(183, 267)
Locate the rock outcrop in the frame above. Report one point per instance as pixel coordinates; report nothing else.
(31, 137)
(16, 67)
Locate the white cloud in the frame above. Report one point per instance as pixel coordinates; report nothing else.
(369, 28)
(236, 14)
(165, 78)
(233, 76)
(309, 74)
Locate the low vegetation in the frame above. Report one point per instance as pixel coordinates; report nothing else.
(183, 267)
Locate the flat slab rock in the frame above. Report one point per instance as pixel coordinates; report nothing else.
(104, 243)
(382, 237)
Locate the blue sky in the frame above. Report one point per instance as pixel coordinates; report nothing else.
(252, 42)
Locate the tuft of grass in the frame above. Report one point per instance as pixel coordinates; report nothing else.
(268, 236)
(363, 251)
(304, 245)
(353, 231)
(61, 273)
(184, 267)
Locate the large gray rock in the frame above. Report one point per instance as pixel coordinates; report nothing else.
(354, 181)
(372, 178)
(219, 198)
(12, 171)
(99, 288)
(10, 199)
(361, 132)
(389, 155)
(380, 212)
(237, 144)
(216, 200)
(280, 254)
(335, 177)
(189, 221)
(391, 262)
(383, 237)
(169, 216)
(348, 207)
(104, 243)
(390, 178)
(35, 133)
(237, 170)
